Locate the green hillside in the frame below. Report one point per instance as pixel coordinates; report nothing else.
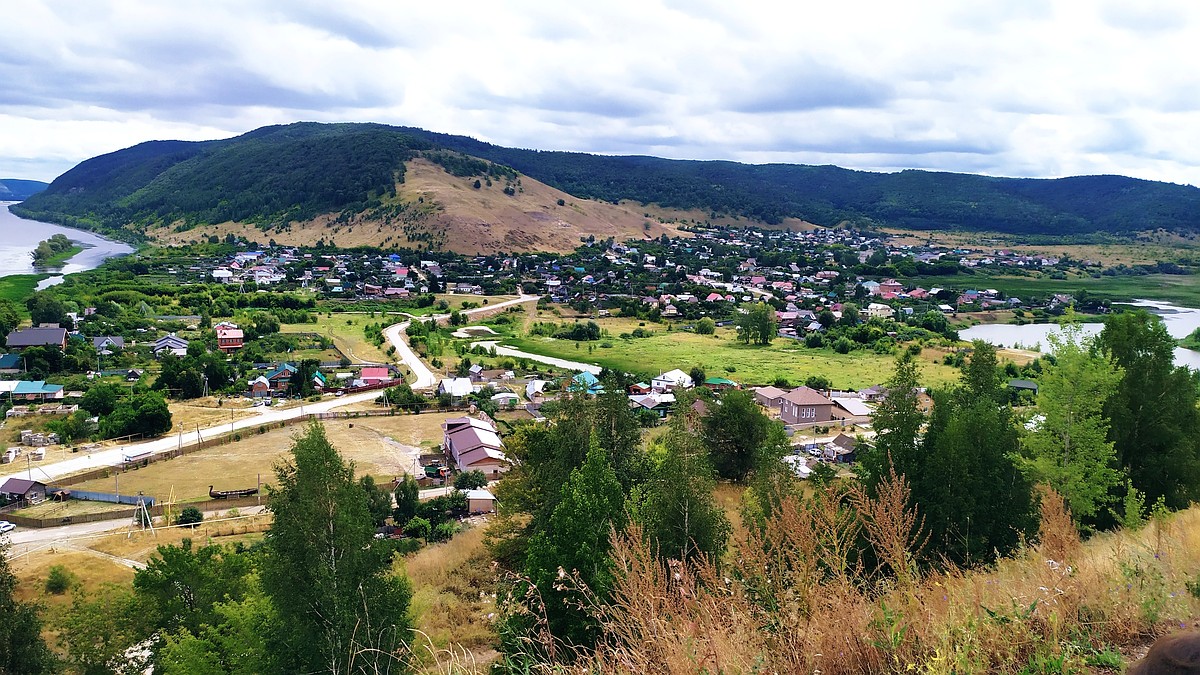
(15, 189)
(295, 172)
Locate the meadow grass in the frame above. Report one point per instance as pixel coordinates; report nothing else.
(346, 331)
(724, 356)
(18, 287)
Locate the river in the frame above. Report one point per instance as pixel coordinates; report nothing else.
(1180, 322)
(19, 237)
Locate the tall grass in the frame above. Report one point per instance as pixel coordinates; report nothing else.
(829, 585)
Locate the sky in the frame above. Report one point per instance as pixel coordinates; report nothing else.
(1036, 88)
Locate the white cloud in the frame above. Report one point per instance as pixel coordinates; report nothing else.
(1029, 87)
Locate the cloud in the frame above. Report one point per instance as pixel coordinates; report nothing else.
(1016, 87)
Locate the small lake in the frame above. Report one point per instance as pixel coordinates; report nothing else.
(1180, 322)
(19, 237)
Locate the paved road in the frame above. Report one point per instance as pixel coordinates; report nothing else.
(112, 456)
(423, 377)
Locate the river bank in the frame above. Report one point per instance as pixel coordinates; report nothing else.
(18, 239)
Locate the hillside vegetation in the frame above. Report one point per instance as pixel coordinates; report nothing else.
(15, 190)
(342, 173)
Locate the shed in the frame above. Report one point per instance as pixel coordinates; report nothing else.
(480, 501)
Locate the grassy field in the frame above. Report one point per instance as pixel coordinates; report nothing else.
(346, 331)
(204, 412)
(51, 509)
(59, 259)
(241, 464)
(18, 287)
(1180, 289)
(723, 356)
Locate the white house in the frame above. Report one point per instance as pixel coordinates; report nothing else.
(672, 379)
(877, 310)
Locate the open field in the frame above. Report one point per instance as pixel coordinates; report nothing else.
(74, 507)
(1105, 249)
(205, 412)
(18, 287)
(241, 464)
(1180, 289)
(346, 331)
(722, 355)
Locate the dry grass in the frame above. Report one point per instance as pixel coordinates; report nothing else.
(91, 573)
(206, 412)
(142, 544)
(346, 331)
(454, 595)
(73, 507)
(795, 598)
(241, 464)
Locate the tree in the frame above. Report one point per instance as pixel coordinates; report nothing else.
(706, 326)
(470, 480)
(301, 381)
(101, 398)
(577, 542)
(10, 318)
(145, 414)
(736, 434)
(850, 316)
(1070, 447)
(679, 517)
(408, 498)
(1154, 422)
(897, 421)
(46, 308)
(181, 586)
(756, 324)
(22, 649)
(97, 631)
(323, 570)
(235, 643)
(379, 502)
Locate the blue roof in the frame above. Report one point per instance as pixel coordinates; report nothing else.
(586, 381)
(37, 387)
(9, 360)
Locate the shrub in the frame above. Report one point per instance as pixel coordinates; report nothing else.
(444, 531)
(190, 516)
(58, 579)
(418, 528)
(470, 480)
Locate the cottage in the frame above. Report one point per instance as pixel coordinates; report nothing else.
(20, 489)
(375, 375)
(260, 387)
(480, 501)
(804, 405)
(877, 310)
(10, 363)
(840, 450)
(37, 390)
(107, 344)
(457, 388)
(38, 337)
(586, 383)
(535, 389)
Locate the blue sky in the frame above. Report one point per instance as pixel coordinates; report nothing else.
(1014, 88)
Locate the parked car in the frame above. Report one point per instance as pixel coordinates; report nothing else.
(6, 526)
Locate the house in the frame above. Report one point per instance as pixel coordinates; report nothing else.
(20, 489)
(222, 276)
(719, 384)
(671, 380)
(1023, 385)
(475, 373)
(229, 338)
(535, 389)
(281, 377)
(375, 375)
(657, 403)
(873, 393)
(769, 397)
(107, 344)
(38, 337)
(170, 343)
(37, 390)
(639, 388)
(133, 375)
(804, 405)
(840, 450)
(480, 501)
(456, 387)
(586, 383)
(877, 310)
(260, 387)
(473, 444)
(10, 363)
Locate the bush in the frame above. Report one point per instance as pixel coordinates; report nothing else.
(444, 531)
(418, 528)
(706, 326)
(190, 516)
(58, 579)
(470, 480)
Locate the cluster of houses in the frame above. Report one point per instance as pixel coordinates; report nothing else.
(276, 381)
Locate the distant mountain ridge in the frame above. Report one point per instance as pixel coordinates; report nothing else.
(16, 189)
(350, 173)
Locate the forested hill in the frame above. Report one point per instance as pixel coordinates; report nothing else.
(827, 195)
(299, 171)
(15, 189)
